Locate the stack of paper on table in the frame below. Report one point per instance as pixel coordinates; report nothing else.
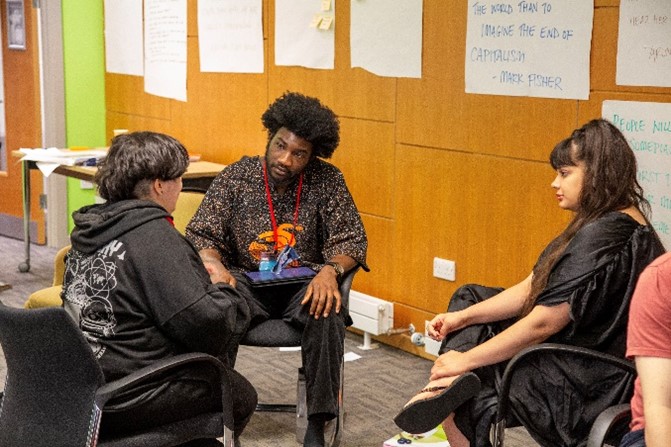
(49, 159)
(65, 157)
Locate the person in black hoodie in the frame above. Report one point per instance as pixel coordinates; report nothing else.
(140, 293)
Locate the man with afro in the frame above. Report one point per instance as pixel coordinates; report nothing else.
(289, 198)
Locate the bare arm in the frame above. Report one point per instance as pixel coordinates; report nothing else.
(541, 323)
(504, 305)
(655, 374)
(218, 273)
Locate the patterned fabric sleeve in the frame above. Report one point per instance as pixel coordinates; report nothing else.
(345, 234)
(234, 217)
(210, 223)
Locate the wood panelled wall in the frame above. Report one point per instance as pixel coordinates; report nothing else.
(434, 171)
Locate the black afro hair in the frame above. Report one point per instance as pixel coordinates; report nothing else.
(306, 117)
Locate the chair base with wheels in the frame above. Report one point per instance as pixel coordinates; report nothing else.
(276, 333)
(334, 428)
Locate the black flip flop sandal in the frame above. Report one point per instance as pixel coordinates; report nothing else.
(426, 414)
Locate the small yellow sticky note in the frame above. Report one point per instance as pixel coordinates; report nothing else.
(326, 22)
(326, 5)
(316, 20)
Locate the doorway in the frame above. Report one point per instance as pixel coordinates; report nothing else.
(3, 145)
(33, 116)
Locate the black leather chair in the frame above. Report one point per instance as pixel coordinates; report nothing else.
(55, 389)
(544, 349)
(610, 426)
(276, 333)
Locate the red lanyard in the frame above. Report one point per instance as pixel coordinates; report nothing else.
(272, 209)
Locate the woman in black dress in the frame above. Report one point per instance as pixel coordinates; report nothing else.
(578, 293)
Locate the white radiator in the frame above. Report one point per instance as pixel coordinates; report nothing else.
(371, 315)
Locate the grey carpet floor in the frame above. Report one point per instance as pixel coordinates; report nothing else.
(376, 385)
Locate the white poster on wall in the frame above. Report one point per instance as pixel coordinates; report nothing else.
(647, 127)
(305, 33)
(230, 36)
(165, 48)
(123, 37)
(386, 37)
(644, 43)
(529, 48)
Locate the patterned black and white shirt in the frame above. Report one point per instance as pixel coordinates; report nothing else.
(234, 217)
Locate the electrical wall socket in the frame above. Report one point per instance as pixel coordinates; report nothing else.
(444, 269)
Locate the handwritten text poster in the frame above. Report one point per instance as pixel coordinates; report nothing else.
(529, 48)
(644, 43)
(230, 36)
(647, 127)
(165, 48)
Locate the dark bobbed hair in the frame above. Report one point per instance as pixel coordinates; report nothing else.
(609, 184)
(136, 159)
(308, 118)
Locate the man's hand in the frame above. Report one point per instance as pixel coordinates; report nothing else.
(322, 293)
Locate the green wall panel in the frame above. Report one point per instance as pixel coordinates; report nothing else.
(84, 68)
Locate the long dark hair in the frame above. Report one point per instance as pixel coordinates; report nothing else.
(609, 184)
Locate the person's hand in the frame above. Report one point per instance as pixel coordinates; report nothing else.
(443, 324)
(323, 294)
(452, 363)
(219, 273)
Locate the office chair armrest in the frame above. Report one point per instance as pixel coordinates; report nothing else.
(110, 389)
(346, 284)
(539, 350)
(59, 265)
(615, 416)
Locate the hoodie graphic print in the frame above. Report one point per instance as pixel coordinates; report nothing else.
(92, 283)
